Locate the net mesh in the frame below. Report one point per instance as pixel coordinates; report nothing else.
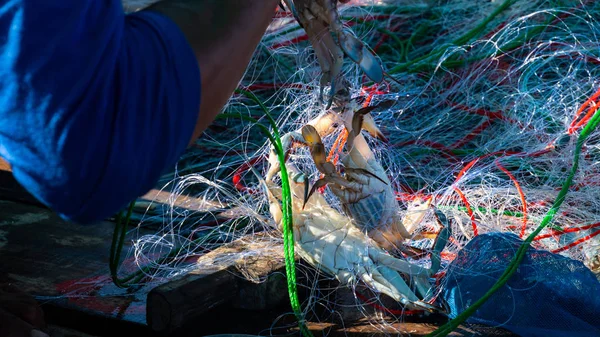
(484, 120)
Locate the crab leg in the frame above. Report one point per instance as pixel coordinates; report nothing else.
(360, 153)
(349, 44)
(317, 150)
(421, 283)
(318, 17)
(321, 43)
(337, 61)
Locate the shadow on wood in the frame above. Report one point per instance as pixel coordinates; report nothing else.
(246, 274)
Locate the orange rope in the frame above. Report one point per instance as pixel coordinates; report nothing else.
(469, 210)
(591, 102)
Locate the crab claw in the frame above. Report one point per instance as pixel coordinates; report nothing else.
(320, 183)
(317, 149)
(415, 213)
(362, 119)
(371, 127)
(323, 182)
(365, 172)
(360, 54)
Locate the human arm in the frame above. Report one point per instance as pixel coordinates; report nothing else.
(223, 35)
(96, 105)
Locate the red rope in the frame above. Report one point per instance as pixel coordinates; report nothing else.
(591, 103)
(237, 175)
(521, 194)
(469, 210)
(566, 230)
(576, 242)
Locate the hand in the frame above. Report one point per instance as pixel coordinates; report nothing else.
(20, 314)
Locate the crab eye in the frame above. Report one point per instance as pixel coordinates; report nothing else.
(335, 125)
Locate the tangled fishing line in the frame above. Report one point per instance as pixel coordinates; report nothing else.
(493, 118)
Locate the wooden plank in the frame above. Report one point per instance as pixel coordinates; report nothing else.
(344, 318)
(10, 189)
(66, 267)
(62, 264)
(364, 328)
(244, 274)
(4, 165)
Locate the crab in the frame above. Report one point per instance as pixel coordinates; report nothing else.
(334, 242)
(365, 191)
(321, 22)
(325, 124)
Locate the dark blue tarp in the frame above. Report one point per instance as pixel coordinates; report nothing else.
(549, 296)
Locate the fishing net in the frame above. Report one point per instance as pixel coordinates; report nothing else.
(490, 101)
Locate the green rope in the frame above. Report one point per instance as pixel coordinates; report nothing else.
(459, 41)
(117, 246)
(288, 234)
(514, 264)
(485, 210)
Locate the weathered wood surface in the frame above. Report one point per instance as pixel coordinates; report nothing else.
(63, 264)
(363, 328)
(246, 274)
(66, 267)
(10, 189)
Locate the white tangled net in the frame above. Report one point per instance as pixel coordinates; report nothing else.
(480, 124)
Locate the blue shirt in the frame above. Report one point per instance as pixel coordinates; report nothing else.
(94, 104)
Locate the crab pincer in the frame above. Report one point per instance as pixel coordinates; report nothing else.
(321, 22)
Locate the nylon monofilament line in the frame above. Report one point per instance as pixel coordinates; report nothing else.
(514, 264)
(489, 82)
(287, 221)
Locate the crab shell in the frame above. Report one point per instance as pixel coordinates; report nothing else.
(370, 200)
(332, 243)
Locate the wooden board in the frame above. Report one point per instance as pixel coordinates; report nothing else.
(10, 189)
(66, 267)
(363, 328)
(245, 274)
(63, 264)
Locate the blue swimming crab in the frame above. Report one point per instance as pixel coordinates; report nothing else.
(350, 245)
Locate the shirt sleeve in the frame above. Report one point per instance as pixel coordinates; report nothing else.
(94, 104)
